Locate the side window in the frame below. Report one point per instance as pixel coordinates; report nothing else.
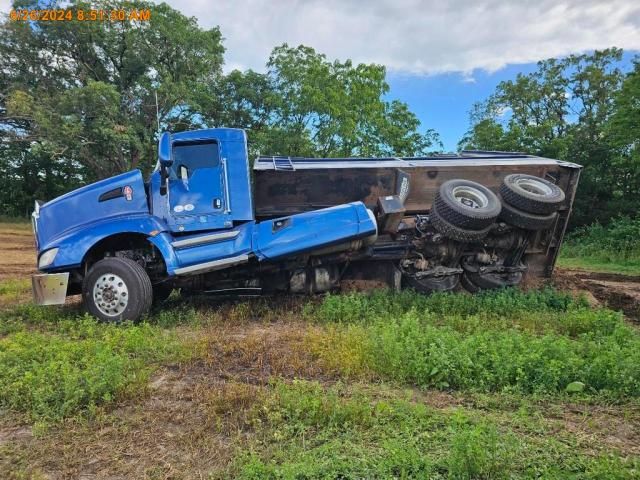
(190, 156)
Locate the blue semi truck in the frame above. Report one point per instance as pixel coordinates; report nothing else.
(197, 225)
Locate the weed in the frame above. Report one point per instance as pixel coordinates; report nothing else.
(81, 366)
(365, 308)
(485, 344)
(172, 316)
(305, 430)
(479, 451)
(615, 247)
(14, 287)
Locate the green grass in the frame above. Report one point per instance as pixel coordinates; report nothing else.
(13, 290)
(590, 264)
(614, 248)
(304, 430)
(509, 341)
(58, 366)
(508, 305)
(399, 385)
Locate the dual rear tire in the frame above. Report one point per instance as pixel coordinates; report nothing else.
(465, 211)
(529, 202)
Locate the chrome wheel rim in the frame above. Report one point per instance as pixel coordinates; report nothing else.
(110, 295)
(535, 187)
(470, 197)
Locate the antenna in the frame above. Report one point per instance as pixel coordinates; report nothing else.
(157, 111)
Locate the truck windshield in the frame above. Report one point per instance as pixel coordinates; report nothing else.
(194, 155)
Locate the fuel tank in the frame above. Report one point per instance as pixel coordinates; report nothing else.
(326, 230)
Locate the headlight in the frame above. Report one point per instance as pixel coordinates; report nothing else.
(47, 258)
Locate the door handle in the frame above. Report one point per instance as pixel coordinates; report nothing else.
(227, 204)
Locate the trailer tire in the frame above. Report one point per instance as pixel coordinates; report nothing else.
(475, 281)
(468, 285)
(117, 289)
(430, 285)
(456, 233)
(525, 220)
(531, 194)
(466, 204)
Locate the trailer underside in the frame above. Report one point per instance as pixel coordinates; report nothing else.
(285, 186)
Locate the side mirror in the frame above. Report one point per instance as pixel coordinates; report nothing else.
(164, 156)
(164, 150)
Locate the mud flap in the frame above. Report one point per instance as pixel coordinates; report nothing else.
(50, 288)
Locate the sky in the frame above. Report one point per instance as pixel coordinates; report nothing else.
(441, 55)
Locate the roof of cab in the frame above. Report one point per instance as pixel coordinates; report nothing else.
(222, 134)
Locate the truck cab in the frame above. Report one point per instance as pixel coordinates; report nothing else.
(122, 241)
(207, 180)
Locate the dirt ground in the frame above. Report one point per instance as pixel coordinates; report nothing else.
(18, 257)
(619, 292)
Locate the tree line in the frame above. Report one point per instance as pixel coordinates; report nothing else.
(80, 101)
(583, 109)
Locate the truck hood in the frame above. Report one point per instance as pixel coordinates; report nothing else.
(119, 195)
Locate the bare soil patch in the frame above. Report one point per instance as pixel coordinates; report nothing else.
(18, 253)
(619, 292)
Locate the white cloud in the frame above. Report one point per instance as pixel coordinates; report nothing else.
(423, 37)
(414, 36)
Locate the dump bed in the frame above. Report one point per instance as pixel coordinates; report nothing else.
(288, 185)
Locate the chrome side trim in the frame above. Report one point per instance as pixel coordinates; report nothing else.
(213, 265)
(49, 288)
(211, 238)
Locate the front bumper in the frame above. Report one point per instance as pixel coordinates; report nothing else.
(49, 288)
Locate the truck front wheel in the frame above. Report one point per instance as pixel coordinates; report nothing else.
(117, 289)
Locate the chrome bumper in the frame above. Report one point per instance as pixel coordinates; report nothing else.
(49, 288)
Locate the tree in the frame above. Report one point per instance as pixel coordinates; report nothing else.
(78, 99)
(306, 105)
(560, 111)
(82, 94)
(622, 133)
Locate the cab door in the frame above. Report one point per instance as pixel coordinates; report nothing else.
(196, 186)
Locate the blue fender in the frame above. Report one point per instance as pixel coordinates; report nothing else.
(74, 244)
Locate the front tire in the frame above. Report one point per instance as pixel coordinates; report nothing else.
(117, 289)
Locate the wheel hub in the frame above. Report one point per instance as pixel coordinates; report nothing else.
(532, 186)
(110, 295)
(470, 197)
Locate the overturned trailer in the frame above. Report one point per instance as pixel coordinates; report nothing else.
(481, 219)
